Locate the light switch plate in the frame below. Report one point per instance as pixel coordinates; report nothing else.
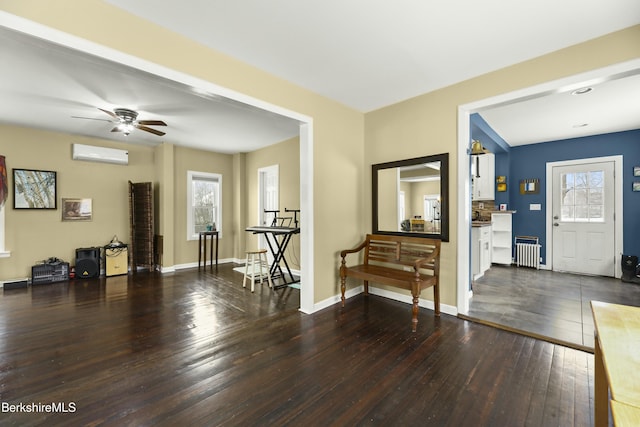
(535, 207)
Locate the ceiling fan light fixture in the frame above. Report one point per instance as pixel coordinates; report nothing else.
(126, 115)
(125, 128)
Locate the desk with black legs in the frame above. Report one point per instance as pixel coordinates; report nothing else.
(280, 238)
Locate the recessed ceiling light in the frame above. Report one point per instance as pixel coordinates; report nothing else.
(581, 125)
(582, 91)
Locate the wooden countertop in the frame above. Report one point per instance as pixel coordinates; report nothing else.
(618, 333)
(625, 415)
(480, 223)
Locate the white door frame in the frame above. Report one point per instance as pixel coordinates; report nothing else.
(463, 183)
(262, 172)
(618, 220)
(307, 303)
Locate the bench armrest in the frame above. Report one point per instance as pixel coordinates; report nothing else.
(433, 258)
(358, 248)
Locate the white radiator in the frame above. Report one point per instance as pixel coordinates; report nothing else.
(527, 252)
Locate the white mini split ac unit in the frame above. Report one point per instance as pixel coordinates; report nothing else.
(100, 154)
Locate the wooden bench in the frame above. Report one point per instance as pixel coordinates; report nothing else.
(387, 259)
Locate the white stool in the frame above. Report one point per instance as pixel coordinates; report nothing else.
(258, 261)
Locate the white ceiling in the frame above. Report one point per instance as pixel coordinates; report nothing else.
(612, 105)
(47, 85)
(364, 54)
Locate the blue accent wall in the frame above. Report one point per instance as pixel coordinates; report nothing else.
(503, 168)
(493, 142)
(529, 161)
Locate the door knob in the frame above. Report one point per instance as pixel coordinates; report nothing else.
(555, 224)
(555, 217)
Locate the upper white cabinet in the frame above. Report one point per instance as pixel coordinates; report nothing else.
(484, 187)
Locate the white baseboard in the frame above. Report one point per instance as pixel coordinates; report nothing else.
(336, 299)
(170, 269)
(396, 296)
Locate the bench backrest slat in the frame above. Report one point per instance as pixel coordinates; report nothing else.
(400, 250)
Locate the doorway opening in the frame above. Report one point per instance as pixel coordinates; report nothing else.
(463, 286)
(268, 201)
(207, 87)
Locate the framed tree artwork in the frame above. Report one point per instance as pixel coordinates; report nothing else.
(34, 189)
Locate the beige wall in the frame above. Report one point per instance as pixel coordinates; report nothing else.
(287, 156)
(34, 235)
(418, 191)
(188, 159)
(417, 127)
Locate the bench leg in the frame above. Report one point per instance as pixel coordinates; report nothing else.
(414, 312)
(436, 299)
(366, 287)
(343, 286)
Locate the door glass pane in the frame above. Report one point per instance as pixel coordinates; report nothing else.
(596, 179)
(595, 196)
(567, 213)
(582, 213)
(596, 213)
(582, 196)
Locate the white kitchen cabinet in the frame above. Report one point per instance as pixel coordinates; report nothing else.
(501, 238)
(480, 250)
(484, 186)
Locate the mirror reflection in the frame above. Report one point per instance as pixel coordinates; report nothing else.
(409, 197)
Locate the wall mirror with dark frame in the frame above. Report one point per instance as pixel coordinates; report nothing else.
(411, 197)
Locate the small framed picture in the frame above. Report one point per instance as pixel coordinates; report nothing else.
(503, 206)
(502, 187)
(636, 171)
(636, 186)
(76, 210)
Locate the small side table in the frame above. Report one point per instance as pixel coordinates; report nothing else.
(202, 238)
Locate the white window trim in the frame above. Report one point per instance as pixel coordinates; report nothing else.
(190, 176)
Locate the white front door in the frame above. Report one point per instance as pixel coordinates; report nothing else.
(583, 209)
(268, 197)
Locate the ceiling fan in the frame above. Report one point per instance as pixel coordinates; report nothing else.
(126, 120)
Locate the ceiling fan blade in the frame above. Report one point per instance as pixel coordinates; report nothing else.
(111, 113)
(116, 129)
(91, 118)
(146, 129)
(152, 122)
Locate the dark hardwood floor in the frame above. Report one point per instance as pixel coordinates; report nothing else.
(195, 348)
(547, 304)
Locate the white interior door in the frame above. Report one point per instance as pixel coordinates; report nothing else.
(268, 197)
(583, 208)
